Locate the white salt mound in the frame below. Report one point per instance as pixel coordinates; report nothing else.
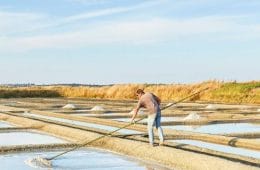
(210, 106)
(98, 108)
(39, 162)
(192, 116)
(69, 106)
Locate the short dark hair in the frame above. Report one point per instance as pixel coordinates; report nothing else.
(139, 91)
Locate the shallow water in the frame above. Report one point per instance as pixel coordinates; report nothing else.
(93, 125)
(221, 148)
(100, 114)
(163, 119)
(91, 159)
(5, 124)
(87, 114)
(82, 110)
(24, 138)
(219, 128)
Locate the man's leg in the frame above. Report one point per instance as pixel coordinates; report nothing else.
(159, 128)
(150, 123)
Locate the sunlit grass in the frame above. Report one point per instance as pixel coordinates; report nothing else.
(27, 92)
(237, 92)
(228, 92)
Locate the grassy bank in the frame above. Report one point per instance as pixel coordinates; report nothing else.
(229, 92)
(236, 93)
(27, 92)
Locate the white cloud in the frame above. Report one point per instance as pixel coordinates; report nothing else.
(12, 25)
(98, 13)
(16, 22)
(90, 2)
(138, 32)
(109, 11)
(30, 22)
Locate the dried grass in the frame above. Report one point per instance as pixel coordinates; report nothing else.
(229, 92)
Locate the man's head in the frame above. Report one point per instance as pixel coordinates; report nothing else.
(139, 93)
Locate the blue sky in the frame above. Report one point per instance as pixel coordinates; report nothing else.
(129, 41)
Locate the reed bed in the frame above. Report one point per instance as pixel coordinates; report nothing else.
(226, 92)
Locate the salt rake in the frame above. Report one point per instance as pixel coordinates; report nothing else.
(46, 162)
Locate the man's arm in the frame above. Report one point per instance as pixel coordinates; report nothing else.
(135, 111)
